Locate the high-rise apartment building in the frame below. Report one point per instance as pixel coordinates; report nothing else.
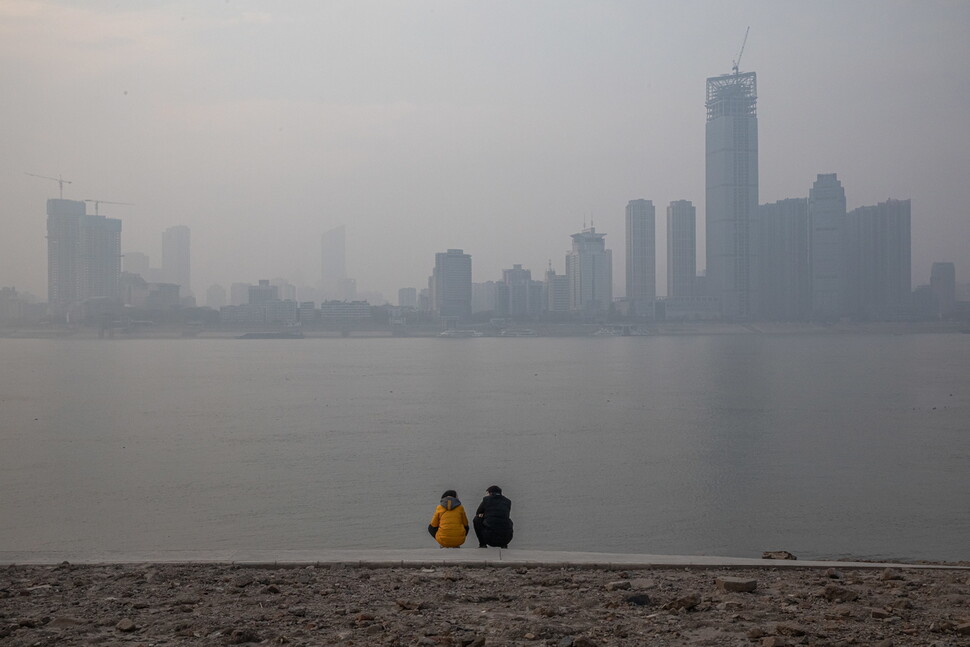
(681, 248)
(83, 255)
(826, 227)
(176, 258)
(452, 284)
(879, 267)
(407, 298)
(785, 267)
(556, 290)
(589, 268)
(641, 256)
(943, 284)
(263, 293)
(732, 194)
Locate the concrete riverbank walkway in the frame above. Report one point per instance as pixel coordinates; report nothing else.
(417, 557)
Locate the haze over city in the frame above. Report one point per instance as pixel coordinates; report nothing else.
(499, 128)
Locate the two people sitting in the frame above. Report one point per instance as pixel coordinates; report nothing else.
(493, 527)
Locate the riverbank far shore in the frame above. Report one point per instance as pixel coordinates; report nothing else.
(462, 603)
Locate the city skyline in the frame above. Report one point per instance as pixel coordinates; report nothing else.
(463, 149)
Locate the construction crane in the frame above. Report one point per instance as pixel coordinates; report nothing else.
(737, 62)
(97, 203)
(61, 181)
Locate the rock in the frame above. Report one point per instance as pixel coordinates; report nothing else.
(272, 588)
(643, 583)
(834, 593)
(186, 598)
(125, 625)
(565, 642)
(242, 635)
(736, 584)
(777, 554)
(773, 641)
(884, 643)
(754, 633)
(243, 581)
(879, 614)
(963, 629)
(833, 574)
(638, 599)
(686, 602)
(621, 585)
(889, 574)
(790, 629)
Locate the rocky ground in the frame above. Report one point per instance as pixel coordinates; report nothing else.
(198, 604)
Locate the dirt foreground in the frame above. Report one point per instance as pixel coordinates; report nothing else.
(203, 604)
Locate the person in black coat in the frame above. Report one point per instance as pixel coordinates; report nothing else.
(493, 527)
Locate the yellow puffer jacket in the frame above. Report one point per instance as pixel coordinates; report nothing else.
(451, 523)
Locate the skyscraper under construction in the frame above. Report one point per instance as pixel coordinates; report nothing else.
(732, 194)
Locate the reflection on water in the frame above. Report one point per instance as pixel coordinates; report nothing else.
(822, 445)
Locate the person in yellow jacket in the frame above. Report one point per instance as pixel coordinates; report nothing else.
(449, 526)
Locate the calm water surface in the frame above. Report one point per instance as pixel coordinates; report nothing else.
(824, 445)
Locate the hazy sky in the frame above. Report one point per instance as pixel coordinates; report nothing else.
(497, 127)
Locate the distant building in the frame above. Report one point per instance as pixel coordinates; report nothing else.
(137, 263)
(83, 255)
(943, 283)
(176, 257)
(589, 268)
(879, 267)
(732, 194)
(641, 257)
(681, 248)
(407, 297)
(215, 296)
(285, 289)
(826, 227)
(238, 294)
(452, 284)
(308, 313)
(263, 293)
(785, 265)
(342, 311)
(557, 292)
(518, 295)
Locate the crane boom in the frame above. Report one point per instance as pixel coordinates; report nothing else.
(737, 62)
(60, 180)
(97, 203)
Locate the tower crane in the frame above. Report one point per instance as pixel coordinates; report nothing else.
(100, 202)
(60, 180)
(737, 62)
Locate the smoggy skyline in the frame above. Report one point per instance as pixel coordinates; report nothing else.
(497, 128)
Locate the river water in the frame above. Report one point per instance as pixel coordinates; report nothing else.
(824, 445)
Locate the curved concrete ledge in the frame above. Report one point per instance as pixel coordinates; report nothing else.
(433, 557)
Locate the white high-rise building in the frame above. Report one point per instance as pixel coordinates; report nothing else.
(681, 248)
(176, 258)
(826, 226)
(641, 256)
(589, 268)
(732, 194)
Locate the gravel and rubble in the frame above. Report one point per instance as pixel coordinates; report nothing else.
(474, 606)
